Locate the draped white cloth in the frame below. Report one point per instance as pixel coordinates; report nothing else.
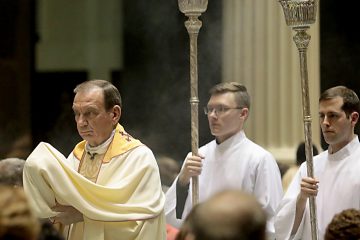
(126, 202)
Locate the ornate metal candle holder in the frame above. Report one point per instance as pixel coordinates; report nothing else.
(299, 15)
(193, 9)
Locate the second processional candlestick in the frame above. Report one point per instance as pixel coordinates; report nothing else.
(299, 15)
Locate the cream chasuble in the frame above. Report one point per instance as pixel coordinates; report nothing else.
(118, 191)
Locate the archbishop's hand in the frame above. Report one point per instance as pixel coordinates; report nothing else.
(66, 215)
(192, 167)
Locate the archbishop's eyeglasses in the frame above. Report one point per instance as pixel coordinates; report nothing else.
(221, 109)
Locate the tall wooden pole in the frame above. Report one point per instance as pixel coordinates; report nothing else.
(193, 9)
(300, 14)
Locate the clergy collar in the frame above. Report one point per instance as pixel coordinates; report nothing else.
(100, 149)
(346, 151)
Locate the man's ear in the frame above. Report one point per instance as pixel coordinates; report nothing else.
(354, 117)
(245, 113)
(116, 113)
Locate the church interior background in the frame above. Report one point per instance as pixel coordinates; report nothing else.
(142, 47)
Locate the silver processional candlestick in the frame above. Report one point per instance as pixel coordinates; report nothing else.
(299, 15)
(193, 9)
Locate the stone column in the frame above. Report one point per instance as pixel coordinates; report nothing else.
(259, 52)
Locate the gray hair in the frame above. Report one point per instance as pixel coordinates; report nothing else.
(112, 95)
(11, 171)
